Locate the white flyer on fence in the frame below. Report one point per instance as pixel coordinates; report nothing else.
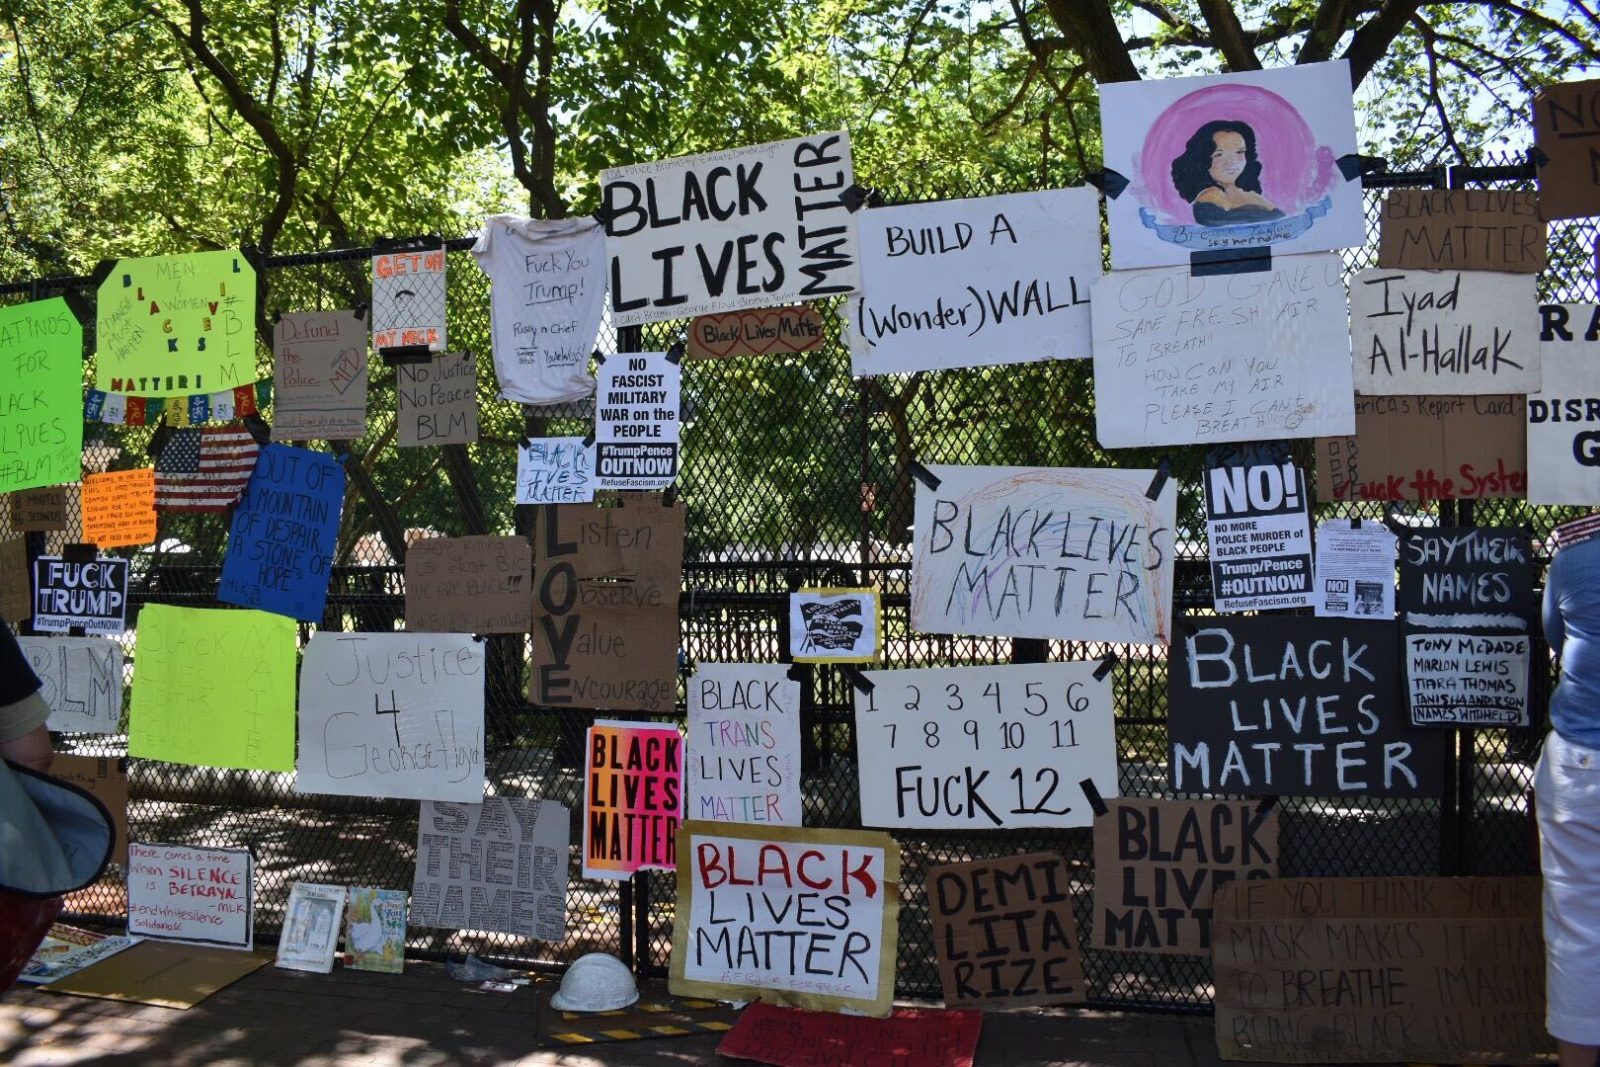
(1355, 569)
(985, 747)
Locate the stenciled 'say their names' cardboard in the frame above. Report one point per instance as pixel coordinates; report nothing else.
(498, 866)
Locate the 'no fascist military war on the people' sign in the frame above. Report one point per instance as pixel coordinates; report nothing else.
(751, 227)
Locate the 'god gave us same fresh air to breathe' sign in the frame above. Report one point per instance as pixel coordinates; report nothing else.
(724, 231)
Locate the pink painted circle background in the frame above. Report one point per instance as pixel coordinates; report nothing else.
(1295, 170)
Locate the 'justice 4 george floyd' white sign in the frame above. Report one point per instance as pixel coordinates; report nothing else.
(750, 227)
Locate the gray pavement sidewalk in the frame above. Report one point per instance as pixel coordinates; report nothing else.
(422, 1018)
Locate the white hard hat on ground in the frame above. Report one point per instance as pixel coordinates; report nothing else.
(596, 982)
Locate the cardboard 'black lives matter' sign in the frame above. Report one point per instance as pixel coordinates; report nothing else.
(1159, 863)
(1294, 706)
(1467, 609)
(1005, 932)
(1258, 527)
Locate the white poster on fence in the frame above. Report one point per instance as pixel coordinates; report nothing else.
(636, 421)
(1453, 332)
(1355, 570)
(392, 715)
(1258, 528)
(1182, 360)
(555, 470)
(749, 227)
(408, 291)
(81, 679)
(1564, 416)
(498, 866)
(548, 292)
(204, 896)
(743, 745)
(1225, 162)
(985, 748)
(1058, 552)
(970, 283)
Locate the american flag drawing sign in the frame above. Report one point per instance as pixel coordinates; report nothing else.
(204, 468)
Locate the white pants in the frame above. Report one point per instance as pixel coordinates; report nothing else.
(1567, 790)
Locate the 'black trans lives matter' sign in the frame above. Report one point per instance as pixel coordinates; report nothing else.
(1295, 706)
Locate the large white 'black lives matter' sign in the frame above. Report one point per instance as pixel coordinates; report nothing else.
(1058, 552)
(1294, 706)
(1467, 609)
(968, 283)
(984, 747)
(1564, 416)
(1258, 527)
(724, 231)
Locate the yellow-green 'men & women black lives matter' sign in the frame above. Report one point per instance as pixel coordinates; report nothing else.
(175, 325)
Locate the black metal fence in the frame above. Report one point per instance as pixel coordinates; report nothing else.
(794, 473)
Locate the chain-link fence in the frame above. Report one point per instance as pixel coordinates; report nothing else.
(794, 474)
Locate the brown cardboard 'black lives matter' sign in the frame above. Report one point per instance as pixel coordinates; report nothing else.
(1461, 229)
(1159, 863)
(1467, 607)
(1375, 970)
(1005, 932)
(1299, 706)
(757, 332)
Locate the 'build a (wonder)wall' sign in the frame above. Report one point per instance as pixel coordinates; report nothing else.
(967, 283)
(984, 747)
(806, 918)
(1294, 706)
(1467, 604)
(1056, 552)
(724, 231)
(1159, 863)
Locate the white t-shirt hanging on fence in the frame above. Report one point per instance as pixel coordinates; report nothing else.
(549, 287)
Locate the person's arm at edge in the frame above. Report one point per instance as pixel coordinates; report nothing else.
(1555, 630)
